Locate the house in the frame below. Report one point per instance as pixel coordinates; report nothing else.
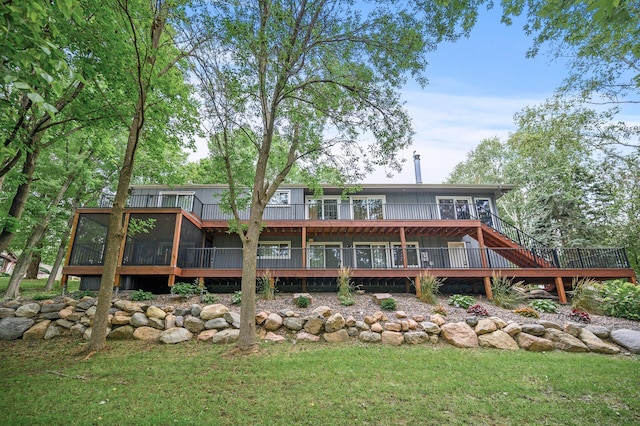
(387, 234)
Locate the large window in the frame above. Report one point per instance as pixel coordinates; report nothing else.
(281, 198)
(367, 208)
(483, 207)
(371, 255)
(452, 208)
(325, 208)
(324, 255)
(274, 250)
(412, 255)
(184, 200)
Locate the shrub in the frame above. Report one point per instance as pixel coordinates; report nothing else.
(141, 295)
(506, 294)
(388, 304)
(236, 298)
(208, 298)
(44, 296)
(440, 310)
(303, 302)
(621, 299)
(579, 316)
(346, 287)
(429, 287)
(185, 289)
(346, 301)
(478, 310)
(586, 295)
(460, 301)
(544, 305)
(527, 312)
(79, 294)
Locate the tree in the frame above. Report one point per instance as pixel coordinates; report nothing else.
(153, 52)
(303, 83)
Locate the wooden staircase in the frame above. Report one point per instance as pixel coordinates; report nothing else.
(520, 256)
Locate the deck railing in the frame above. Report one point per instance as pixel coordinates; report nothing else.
(361, 257)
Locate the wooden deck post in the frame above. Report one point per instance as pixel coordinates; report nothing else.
(483, 251)
(418, 288)
(74, 228)
(175, 247)
(403, 244)
(560, 288)
(304, 247)
(487, 288)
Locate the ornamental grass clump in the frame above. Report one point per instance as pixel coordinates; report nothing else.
(267, 285)
(586, 295)
(346, 287)
(506, 294)
(428, 288)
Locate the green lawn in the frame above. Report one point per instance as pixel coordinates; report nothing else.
(34, 289)
(49, 382)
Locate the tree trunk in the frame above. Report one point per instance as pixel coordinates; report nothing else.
(62, 250)
(34, 266)
(115, 233)
(20, 198)
(247, 337)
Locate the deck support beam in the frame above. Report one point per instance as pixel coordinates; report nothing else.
(487, 288)
(560, 288)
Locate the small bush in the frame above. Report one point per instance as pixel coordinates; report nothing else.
(586, 295)
(141, 295)
(208, 298)
(185, 289)
(429, 288)
(579, 316)
(79, 294)
(388, 304)
(44, 296)
(527, 312)
(506, 294)
(544, 305)
(478, 310)
(440, 310)
(346, 301)
(621, 299)
(460, 301)
(236, 298)
(303, 302)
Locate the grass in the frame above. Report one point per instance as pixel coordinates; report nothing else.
(49, 382)
(34, 289)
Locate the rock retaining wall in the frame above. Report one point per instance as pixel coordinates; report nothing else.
(216, 323)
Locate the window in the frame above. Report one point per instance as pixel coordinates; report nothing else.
(367, 208)
(184, 200)
(371, 255)
(323, 208)
(324, 255)
(452, 208)
(412, 255)
(274, 250)
(281, 198)
(483, 208)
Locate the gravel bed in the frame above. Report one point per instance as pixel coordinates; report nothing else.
(406, 302)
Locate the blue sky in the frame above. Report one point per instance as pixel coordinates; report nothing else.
(476, 85)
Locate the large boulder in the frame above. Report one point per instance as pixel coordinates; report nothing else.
(293, 323)
(147, 333)
(370, 337)
(533, 343)
(13, 328)
(122, 333)
(533, 329)
(498, 340)
(232, 318)
(334, 323)
(485, 326)
(175, 335)
(303, 336)
(38, 331)
(415, 337)
(314, 325)
(339, 336)
(139, 319)
(565, 341)
(273, 322)
(459, 334)
(628, 339)
(229, 335)
(216, 324)
(430, 327)
(213, 311)
(193, 324)
(595, 344)
(155, 312)
(393, 338)
(28, 310)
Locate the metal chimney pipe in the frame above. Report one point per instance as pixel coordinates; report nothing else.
(416, 165)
